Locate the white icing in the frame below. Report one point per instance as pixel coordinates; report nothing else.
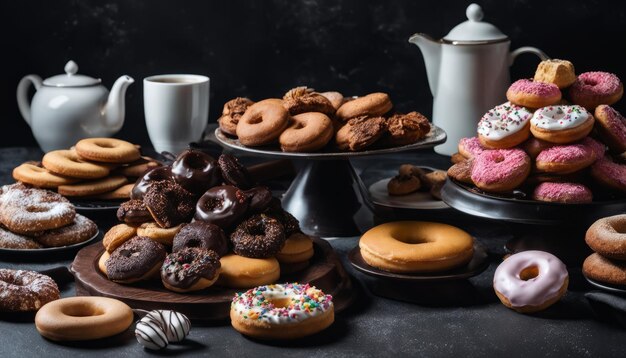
(559, 117)
(150, 334)
(175, 324)
(503, 120)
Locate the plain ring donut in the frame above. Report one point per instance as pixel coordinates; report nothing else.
(107, 150)
(607, 236)
(83, 318)
(416, 246)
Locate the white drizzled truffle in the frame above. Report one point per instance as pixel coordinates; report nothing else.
(175, 324)
(150, 334)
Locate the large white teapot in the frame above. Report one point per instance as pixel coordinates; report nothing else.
(468, 73)
(70, 107)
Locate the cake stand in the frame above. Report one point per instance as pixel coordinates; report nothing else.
(327, 192)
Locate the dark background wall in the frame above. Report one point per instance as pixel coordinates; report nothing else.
(261, 49)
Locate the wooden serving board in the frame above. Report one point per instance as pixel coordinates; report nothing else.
(325, 272)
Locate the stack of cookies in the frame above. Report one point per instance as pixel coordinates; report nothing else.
(202, 221)
(308, 121)
(34, 218)
(607, 237)
(98, 168)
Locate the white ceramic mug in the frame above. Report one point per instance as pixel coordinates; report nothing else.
(176, 108)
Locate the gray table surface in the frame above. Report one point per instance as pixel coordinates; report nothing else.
(460, 319)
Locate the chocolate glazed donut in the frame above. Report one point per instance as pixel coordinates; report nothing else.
(183, 268)
(152, 176)
(222, 206)
(135, 259)
(196, 171)
(203, 235)
(234, 173)
(260, 198)
(259, 236)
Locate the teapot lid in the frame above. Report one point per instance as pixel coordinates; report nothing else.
(474, 31)
(70, 78)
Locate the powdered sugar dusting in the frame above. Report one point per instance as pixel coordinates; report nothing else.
(22, 290)
(9, 240)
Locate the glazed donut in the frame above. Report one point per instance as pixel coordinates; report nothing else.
(80, 230)
(609, 174)
(565, 159)
(500, 170)
(335, 98)
(604, 269)
(244, 272)
(457, 158)
(392, 247)
(462, 171)
(286, 311)
(289, 222)
(592, 89)
(303, 100)
(133, 212)
(470, 147)
(504, 126)
(161, 235)
(527, 93)
(40, 177)
(259, 236)
(23, 291)
(233, 172)
(372, 105)
(68, 163)
(262, 123)
(558, 72)
(360, 132)
(534, 146)
(152, 176)
(196, 171)
(232, 112)
(296, 253)
(107, 150)
(611, 127)
(530, 281)
(222, 206)
(117, 235)
(561, 124)
(203, 235)
(308, 132)
(259, 197)
(9, 240)
(139, 258)
(569, 193)
(83, 318)
(607, 236)
(25, 210)
(169, 203)
(405, 129)
(190, 269)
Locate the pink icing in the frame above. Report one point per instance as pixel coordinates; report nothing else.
(494, 166)
(606, 168)
(596, 84)
(565, 153)
(596, 147)
(471, 146)
(537, 290)
(563, 193)
(614, 123)
(535, 88)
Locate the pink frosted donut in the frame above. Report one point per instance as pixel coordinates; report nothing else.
(470, 147)
(609, 174)
(500, 170)
(592, 89)
(530, 281)
(533, 146)
(596, 147)
(611, 127)
(531, 94)
(565, 159)
(562, 193)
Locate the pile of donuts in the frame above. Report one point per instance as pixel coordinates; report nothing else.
(200, 221)
(411, 179)
(607, 237)
(95, 168)
(32, 218)
(548, 145)
(308, 121)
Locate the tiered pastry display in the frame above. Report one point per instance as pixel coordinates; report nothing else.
(412, 178)
(34, 218)
(607, 237)
(540, 144)
(202, 221)
(95, 168)
(307, 121)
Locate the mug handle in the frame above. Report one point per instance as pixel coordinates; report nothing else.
(22, 94)
(527, 49)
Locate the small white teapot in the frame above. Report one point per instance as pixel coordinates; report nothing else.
(70, 107)
(468, 74)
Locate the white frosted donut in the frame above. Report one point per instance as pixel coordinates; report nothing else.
(175, 324)
(561, 124)
(150, 334)
(502, 126)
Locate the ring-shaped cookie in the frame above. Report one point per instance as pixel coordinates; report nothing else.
(107, 150)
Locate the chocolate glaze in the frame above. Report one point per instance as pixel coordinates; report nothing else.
(154, 175)
(289, 222)
(222, 206)
(259, 236)
(185, 267)
(133, 212)
(196, 171)
(203, 235)
(134, 258)
(169, 203)
(234, 173)
(260, 198)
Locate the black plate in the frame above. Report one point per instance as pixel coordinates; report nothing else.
(97, 205)
(47, 251)
(436, 136)
(619, 289)
(463, 198)
(477, 265)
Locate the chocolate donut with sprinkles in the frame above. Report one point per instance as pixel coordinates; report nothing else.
(282, 311)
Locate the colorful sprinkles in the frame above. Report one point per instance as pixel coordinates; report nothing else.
(559, 117)
(503, 120)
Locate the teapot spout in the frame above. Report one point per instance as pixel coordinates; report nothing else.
(431, 51)
(115, 107)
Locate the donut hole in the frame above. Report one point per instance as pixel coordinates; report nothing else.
(412, 238)
(82, 311)
(255, 120)
(105, 145)
(529, 273)
(282, 302)
(619, 227)
(36, 209)
(498, 158)
(195, 162)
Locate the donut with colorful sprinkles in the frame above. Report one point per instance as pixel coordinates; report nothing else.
(282, 311)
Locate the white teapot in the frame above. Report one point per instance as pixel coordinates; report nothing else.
(468, 74)
(70, 107)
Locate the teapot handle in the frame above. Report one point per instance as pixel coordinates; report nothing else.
(527, 49)
(22, 94)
